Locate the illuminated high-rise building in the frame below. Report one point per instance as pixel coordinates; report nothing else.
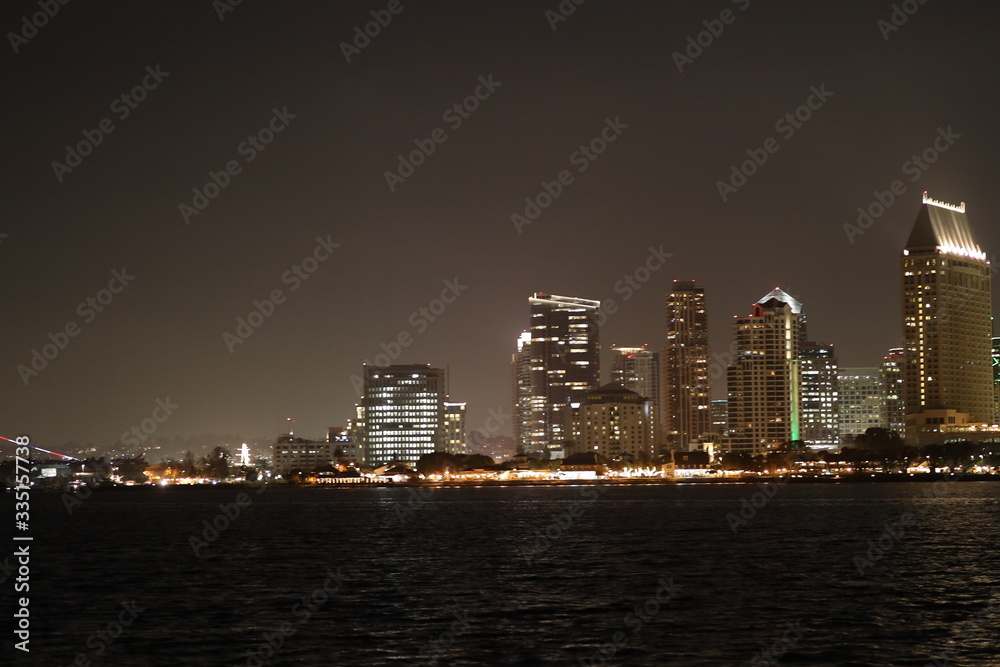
(947, 326)
(996, 379)
(764, 380)
(454, 428)
(565, 364)
(686, 379)
(862, 401)
(820, 426)
(403, 413)
(521, 375)
(720, 416)
(638, 369)
(356, 433)
(894, 417)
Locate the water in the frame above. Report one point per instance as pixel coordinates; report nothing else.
(447, 579)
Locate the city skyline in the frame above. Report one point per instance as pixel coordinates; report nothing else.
(620, 368)
(781, 386)
(610, 355)
(282, 280)
(172, 306)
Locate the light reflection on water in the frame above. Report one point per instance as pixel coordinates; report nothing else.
(449, 579)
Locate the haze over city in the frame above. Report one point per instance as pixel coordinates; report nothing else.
(670, 323)
(873, 105)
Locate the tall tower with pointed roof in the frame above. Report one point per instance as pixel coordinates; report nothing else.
(778, 296)
(764, 382)
(947, 325)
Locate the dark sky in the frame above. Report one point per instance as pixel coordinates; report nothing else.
(324, 176)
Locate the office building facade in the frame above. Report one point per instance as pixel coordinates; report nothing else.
(616, 423)
(523, 396)
(996, 380)
(638, 369)
(403, 413)
(947, 327)
(862, 401)
(820, 420)
(720, 416)
(299, 455)
(685, 414)
(565, 364)
(454, 428)
(891, 370)
(764, 378)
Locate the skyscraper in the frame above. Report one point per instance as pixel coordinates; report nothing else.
(820, 426)
(403, 413)
(356, 433)
(894, 417)
(862, 401)
(720, 416)
(686, 382)
(996, 379)
(638, 369)
(521, 372)
(565, 363)
(764, 380)
(947, 324)
(454, 428)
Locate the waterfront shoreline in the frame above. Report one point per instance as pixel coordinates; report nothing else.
(857, 478)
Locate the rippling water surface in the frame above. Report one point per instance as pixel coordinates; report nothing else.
(645, 575)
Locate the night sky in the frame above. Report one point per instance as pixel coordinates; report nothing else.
(343, 124)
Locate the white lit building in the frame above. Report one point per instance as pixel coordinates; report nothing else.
(862, 401)
(404, 415)
(892, 383)
(820, 419)
(523, 397)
